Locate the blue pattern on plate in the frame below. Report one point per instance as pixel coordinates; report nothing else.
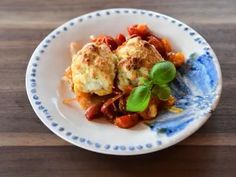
(170, 127)
(194, 88)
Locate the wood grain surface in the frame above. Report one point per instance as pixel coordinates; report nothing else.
(28, 148)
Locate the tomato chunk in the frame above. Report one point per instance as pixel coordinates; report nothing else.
(127, 121)
(141, 30)
(120, 39)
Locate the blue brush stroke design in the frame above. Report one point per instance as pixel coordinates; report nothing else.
(179, 88)
(208, 63)
(170, 127)
(201, 73)
(194, 88)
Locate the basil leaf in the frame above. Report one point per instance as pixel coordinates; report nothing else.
(162, 92)
(143, 81)
(163, 72)
(138, 99)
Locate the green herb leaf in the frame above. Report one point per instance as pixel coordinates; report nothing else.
(162, 92)
(139, 98)
(163, 72)
(143, 81)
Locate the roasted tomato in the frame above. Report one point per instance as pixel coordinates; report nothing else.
(109, 109)
(127, 121)
(157, 43)
(120, 39)
(111, 43)
(141, 30)
(93, 111)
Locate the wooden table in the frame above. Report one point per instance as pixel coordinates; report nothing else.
(28, 148)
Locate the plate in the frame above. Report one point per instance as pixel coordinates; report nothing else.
(197, 86)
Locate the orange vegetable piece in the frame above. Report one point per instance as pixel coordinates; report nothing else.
(84, 99)
(127, 121)
(69, 100)
(177, 58)
(167, 45)
(157, 44)
(93, 111)
(120, 39)
(141, 30)
(111, 43)
(168, 103)
(151, 111)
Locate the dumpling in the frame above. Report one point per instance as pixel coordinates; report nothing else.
(136, 58)
(93, 69)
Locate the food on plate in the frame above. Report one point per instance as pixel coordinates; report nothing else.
(136, 57)
(124, 78)
(93, 69)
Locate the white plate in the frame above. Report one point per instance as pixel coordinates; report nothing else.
(198, 88)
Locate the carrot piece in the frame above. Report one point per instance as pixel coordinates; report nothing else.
(69, 100)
